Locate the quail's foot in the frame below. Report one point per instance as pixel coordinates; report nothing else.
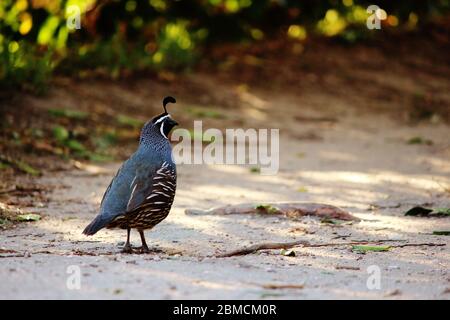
(146, 250)
(127, 249)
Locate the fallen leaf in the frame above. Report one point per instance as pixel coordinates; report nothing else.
(269, 295)
(75, 145)
(2, 250)
(442, 211)
(418, 211)
(25, 167)
(363, 249)
(291, 210)
(273, 286)
(287, 253)
(28, 217)
(117, 291)
(47, 147)
(4, 166)
(441, 233)
(19, 165)
(255, 170)
(60, 133)
(347, 268)
(266, 208)
(423, 212)
(392, 293)
(420, 140)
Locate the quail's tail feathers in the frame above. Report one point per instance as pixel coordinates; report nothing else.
(98, 223)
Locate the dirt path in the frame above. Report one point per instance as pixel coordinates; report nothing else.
(354, 162)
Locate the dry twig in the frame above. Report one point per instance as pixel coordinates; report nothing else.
(306, 244)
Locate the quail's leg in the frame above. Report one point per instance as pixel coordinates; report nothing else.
(127, 247)
(144, 248)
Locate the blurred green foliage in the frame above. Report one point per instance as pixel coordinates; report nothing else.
(116, 36)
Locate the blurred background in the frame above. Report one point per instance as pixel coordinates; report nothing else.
(78, 78)
(116, 37)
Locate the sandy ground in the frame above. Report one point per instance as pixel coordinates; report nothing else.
(361, 163)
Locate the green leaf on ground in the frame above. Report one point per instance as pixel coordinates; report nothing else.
(266, 208)
(255, 170)
(442, 211)
(441, 233)
(4, 166)
(66, 113)
(364, 249)
(25, 167)
(420, 140)
(75, 145)
(60, 133)
(19, 165)
(117, 291)
(335, 221)
(302, 189)
(287, 253)
(28, 217)
(265, 295)
(423, 212)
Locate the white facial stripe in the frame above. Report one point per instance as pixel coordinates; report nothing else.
(162, 130)
(162, 118)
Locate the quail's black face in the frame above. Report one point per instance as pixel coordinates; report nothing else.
(164, 123)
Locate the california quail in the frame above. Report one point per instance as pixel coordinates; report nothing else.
(141, 194)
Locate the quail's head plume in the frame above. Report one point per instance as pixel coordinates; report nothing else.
(157, 129)
(141, 194)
